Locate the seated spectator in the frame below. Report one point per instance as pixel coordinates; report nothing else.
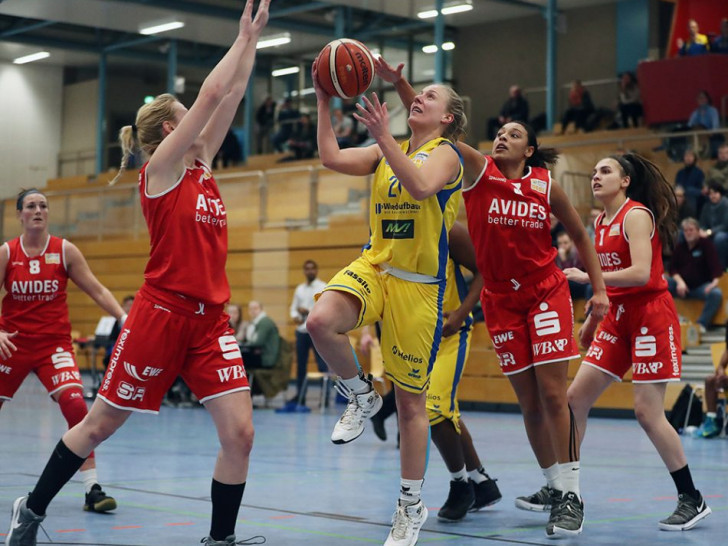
(303, 140)
(705, 116)
(720, 44)
(235, 320)
(343, 129)
(684, 208)
(715, 383)
(514, 109)
(630, 102)
(697, 43)
(287, 118)
(230, 152)
(568, 256)
(691, 178)
(262, 340)
(719, 172)
(695, 271)
(714, 221)
(580, 107)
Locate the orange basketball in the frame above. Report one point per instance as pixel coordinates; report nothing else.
(345, 68)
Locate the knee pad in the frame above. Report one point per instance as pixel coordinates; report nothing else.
(73, 406)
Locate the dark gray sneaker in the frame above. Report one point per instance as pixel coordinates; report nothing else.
(567, 517)
(23, 525)
(486, 493)
(459, 500)
(230, 541)
(541, 501)
(688, 513)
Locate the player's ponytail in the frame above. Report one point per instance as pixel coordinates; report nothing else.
(649, 187)
(545, 158)
(456, 107)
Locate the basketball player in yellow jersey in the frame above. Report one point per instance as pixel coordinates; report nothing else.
(399, 278)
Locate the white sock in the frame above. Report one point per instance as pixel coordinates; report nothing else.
(459, 476)
(569, 473)
(89, 478)
(711, 414)
(410, 491)
(552, 476)
(477, 475)
(356, 385)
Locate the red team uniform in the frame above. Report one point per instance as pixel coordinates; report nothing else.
(526, 298)
(641, 329)
(177, 325)
(35, 307)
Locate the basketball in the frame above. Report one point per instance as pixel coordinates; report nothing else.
(345, 68)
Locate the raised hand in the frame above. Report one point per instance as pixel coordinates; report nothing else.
(375, 117)
(386, 71)
(261, 17)
(321, 95)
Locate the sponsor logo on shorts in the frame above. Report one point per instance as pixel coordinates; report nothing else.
(547, 322)
(398, 229)
(414, 373)
(500, 339)
(646, 368)
(229, 347)
(407, 357)
(620, 310)
(645, 345)
(549, 347)
(161, 308)
(506, 359)
(674, 353)
(364, 284)
(595, 352)
(147, 373)
(5, 369)
(118, 348)
(62, 359)
(231, 372)
(605, 336)
(127, 391)
(72, 376)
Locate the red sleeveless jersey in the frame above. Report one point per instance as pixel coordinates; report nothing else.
(35, 303)
(509, 223)
(612, 247)
(188, 233)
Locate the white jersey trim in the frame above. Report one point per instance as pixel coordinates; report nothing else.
(218, 395)
(670, 380)
(165, 192)
(63, 254)
(22, 247)
(551, 183)
(117, 406)
(477, 178)
(624, 230)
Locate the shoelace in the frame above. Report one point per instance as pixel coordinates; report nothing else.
(568, 508)
(685, 509)
(401, 523)
(350, 414)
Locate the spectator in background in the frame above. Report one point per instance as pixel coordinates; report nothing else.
(262, 340)
(287, 118)
(343, 129)
(691, 178)
(568, 256)
(580, 107)
(556, 228)
(594, 213)
(705, 116)
(230, 152)
(684, 208)
(719, 171)
(235, 320)
(713, 384)
(303, 139)
(695, 271)
(265, 118)
(714, 221)
(301, 305)
(514, 109)
(697, 43)
(630, 102)
(720, 44)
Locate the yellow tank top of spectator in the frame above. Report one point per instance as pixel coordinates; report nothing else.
(408, 234)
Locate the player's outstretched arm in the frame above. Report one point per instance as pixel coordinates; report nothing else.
(80, 273)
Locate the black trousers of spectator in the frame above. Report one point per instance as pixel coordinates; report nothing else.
(578, 116)
(304, 344)
(632, 111)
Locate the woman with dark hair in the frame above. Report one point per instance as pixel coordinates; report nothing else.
(508, 197)
(705, 116)
(177, 325)
(641, 331)
(630, 103)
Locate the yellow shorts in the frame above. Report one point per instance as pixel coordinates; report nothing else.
(411, 317)
(442, 402)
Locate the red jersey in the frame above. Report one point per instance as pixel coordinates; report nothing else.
(612, 247)
(509, 224)
(188, 231)
(35, 302)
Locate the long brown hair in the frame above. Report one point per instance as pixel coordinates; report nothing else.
(649, 187)
(146, 133)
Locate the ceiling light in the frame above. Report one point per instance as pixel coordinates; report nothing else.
(33, 57)
(432, 48)
(156, 28)
(274, 40)
(286, 71)
(448, 9)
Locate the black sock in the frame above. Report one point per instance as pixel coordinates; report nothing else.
(684, 482)
(226, 501)
(61, 467)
